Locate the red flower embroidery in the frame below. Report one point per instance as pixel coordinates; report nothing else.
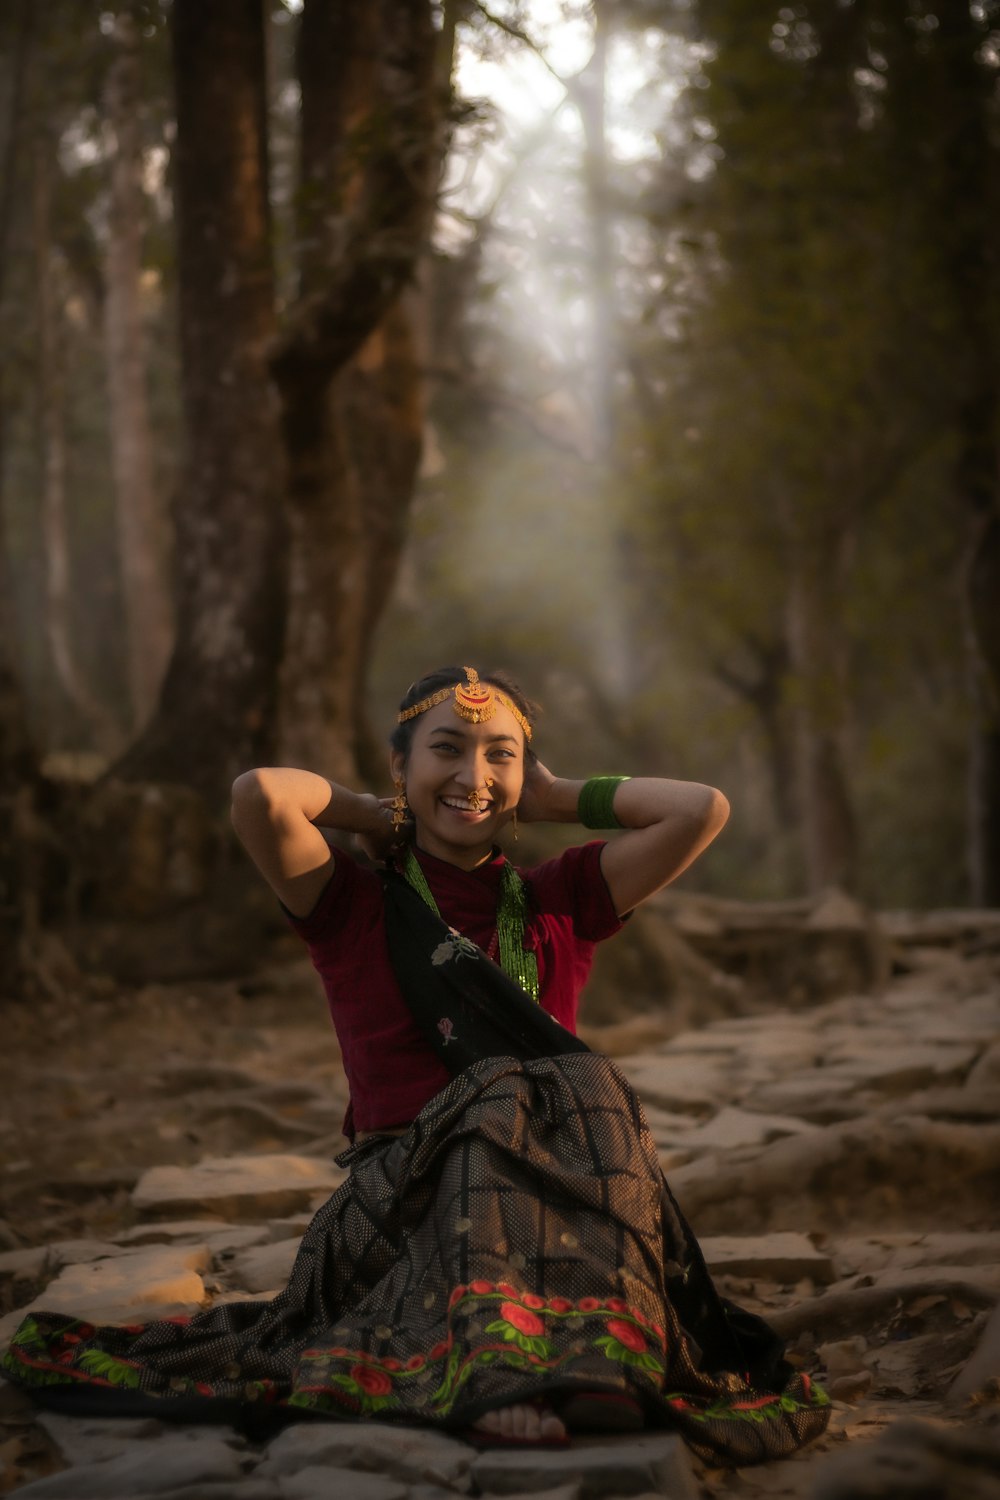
(480, 1287)
(559, 1304)
(627, 1334)
(415, 1362)
(680, 1403)
(521, 1319)
(588, 1304)
(372, 1382)
(390, 1364)
(615, 1304)
(530, 1300)
(440, 1349)
(457, 1295)
(506, 1290)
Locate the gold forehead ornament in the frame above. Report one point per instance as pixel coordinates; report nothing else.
(472, 700)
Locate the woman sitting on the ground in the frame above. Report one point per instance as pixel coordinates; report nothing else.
(505, 1256)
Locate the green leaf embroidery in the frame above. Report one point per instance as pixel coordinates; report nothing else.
(96, 1362)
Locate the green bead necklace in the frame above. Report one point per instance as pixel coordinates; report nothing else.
(512, 913)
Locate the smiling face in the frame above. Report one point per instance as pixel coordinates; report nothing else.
(463, 781)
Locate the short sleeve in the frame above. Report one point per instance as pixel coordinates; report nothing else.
(573, 885)
(335, 904)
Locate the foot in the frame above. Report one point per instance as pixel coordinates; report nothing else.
(523, 1423)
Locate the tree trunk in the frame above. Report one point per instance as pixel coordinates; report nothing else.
(818, 655)
(589, 93)
(217, 706)
(384, 412)
(766, 692)
(140, 522)
(369, 158)
(50, 296)
(18, 755)
(968, 214)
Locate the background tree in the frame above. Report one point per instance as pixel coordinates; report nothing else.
(370, 152)
(706, 430)
(148, 607)
(231, 543)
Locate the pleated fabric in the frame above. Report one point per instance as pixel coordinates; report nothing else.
(519, 1241)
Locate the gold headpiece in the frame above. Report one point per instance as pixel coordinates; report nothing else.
(474, 701)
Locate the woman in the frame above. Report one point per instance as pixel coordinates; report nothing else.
(505, 1257)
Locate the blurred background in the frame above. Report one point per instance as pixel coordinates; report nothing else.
(646, 348)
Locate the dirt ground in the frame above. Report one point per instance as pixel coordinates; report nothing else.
(99, 1087)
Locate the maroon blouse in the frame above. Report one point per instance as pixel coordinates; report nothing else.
(391, 1070)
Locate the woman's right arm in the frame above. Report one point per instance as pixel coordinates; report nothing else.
(278, 814)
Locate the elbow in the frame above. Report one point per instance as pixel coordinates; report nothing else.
(716, 811)
(249, 795)
(720, 808)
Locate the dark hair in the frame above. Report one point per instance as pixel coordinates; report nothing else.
(402, 736)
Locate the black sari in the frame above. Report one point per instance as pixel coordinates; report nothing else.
(518, 1241)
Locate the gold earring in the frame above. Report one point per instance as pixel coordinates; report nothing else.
(513, 822)
(400, 806)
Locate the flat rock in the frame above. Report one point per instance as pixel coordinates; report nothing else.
(220, 1237)
(239, 1187)
(675, 1083)
(290, 1226)
(895, 1069)
(411, 1454)
(136, 1286)
(783, 1044)
(28, 1265)
(733, 1127)
(656, 1462)
(784, 1257)
(179, 1464)
(318, 1482)
(667, 1127)
(86, 1440)
(263, 1268)
(817, 1095)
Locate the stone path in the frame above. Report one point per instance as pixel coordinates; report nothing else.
(841, 1165)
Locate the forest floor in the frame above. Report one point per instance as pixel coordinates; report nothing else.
(841, 1164)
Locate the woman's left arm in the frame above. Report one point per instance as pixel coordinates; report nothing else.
(665, 826)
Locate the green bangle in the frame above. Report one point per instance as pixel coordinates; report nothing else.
(595, 808)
